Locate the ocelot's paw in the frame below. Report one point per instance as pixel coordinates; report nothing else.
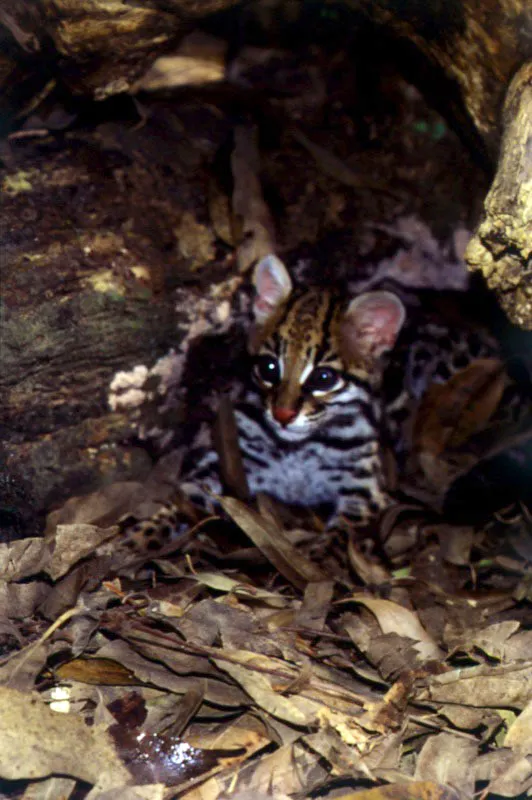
(158, 531)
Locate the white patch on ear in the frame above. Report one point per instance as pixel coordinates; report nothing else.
(372, 323)
(273, 286)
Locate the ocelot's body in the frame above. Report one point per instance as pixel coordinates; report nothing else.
(331, 378)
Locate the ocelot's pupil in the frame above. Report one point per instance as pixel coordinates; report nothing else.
(322, 379)
(267, 369)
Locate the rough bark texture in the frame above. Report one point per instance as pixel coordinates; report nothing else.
(101, 223)
(502, 246)
(99, 46)
(92, 245)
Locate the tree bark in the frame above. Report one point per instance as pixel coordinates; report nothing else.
(502, 246)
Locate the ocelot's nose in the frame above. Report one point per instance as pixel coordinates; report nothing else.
(284, 415)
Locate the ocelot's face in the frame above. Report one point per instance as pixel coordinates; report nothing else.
(303, 375)
(316, 355)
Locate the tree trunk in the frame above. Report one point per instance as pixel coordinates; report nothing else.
(502, 246)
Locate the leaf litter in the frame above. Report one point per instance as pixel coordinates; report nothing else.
(237, 664)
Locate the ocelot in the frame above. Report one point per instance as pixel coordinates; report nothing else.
(331, 377)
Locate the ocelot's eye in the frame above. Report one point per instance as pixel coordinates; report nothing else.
(322, 380)
(267, 370)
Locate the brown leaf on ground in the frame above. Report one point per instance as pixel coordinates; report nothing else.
(447, 759)
(35, 742)
(424, 790)
(450, 415)
(393, 618)
(274, 543)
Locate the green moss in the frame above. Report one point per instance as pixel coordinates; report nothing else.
(18, 182)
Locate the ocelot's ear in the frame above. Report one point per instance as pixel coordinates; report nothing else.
(372, 323)
(273, 286)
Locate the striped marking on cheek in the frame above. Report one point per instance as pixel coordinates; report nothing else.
(313, 410)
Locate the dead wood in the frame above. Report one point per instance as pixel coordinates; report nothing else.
(502, 246)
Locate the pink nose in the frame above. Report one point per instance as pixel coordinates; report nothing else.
(284, 415)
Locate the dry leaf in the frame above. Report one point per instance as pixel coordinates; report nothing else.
(53, 787)
(74, 542)
(36, 742)
(96, 670)
(23, 558)
(273, 543)
(519, 736)
(102, 508)
(451, 413)
(425, 790)
(448, 760)
(502, 686)
(316, 605)
(393, 618)
(255, 673)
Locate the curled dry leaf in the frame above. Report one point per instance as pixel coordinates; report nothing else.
(450, 414)
(393, 618)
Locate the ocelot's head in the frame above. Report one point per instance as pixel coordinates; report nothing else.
(315, 352)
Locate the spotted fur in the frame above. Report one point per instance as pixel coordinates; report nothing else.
(330, 378)
(310, 446)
